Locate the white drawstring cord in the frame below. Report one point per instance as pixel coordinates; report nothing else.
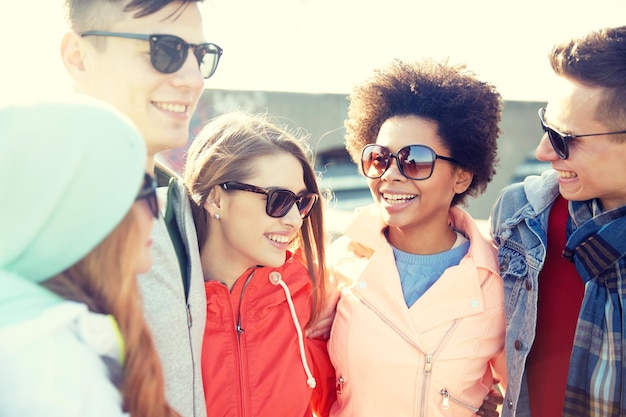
(277, 279)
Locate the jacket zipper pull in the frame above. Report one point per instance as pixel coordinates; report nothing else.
(339, 385)
(189, 317)
(446, 399)
(428, 366)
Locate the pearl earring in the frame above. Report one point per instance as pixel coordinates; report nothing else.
(216, 216)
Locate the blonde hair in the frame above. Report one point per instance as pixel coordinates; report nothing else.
(225, 150)
(106, 282)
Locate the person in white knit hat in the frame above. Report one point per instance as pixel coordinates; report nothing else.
(75, 222)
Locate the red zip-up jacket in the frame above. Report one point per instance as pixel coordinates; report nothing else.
(251, 358)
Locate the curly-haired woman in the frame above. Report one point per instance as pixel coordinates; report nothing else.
(419, 326)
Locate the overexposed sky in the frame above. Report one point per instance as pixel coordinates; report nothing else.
(325, 46)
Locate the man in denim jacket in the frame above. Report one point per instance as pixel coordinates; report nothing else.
(567, 230)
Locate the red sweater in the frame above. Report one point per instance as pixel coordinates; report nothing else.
(560, 296)
(251, 363)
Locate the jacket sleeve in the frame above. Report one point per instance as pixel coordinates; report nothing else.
(497, 368)
(324, 394)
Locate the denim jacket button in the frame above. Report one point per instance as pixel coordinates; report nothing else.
(518, 345)
(529, 285)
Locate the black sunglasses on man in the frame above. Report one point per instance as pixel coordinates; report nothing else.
(560, 141)
(168, 53)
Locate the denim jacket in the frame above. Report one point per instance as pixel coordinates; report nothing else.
(519, 221)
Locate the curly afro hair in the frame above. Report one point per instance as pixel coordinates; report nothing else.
(466, 110)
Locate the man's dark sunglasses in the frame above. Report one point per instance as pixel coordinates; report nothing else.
(416, 162)
(279, 202)
(560, 141)
(168, 53)
(148, 192)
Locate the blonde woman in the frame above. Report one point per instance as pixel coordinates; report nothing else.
(258, 216)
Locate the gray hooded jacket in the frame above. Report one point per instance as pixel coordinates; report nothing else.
(177, 324)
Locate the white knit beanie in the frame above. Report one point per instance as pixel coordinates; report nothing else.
(70, 171)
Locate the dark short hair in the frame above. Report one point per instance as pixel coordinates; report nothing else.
(83, 15)
(597, 59)
(466, 110)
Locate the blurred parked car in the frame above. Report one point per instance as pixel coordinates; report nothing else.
(529, 166)
(346, 188)
(340, 176)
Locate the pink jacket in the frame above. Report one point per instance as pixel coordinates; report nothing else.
(433, 359)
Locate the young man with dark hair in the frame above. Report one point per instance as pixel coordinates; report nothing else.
(561, 243)
(149, 58)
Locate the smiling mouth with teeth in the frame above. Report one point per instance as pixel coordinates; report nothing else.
(566, 174)
(279, 238)
(175, 108)
(398, 198)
